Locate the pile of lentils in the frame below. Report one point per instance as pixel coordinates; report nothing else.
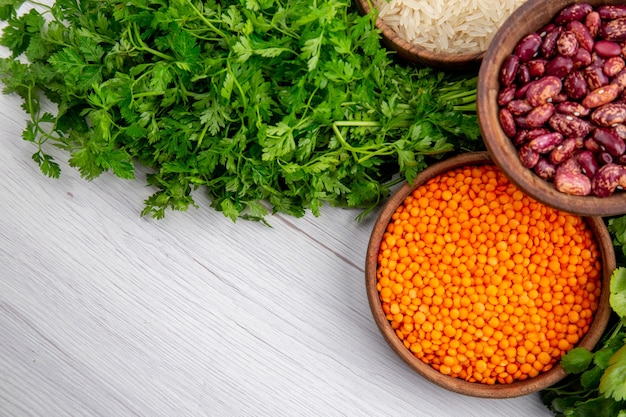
(484, 283)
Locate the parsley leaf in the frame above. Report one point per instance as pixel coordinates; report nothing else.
(613, 382)
(576, 360)
(617, 297)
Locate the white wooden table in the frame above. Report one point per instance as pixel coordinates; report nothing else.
(107, 313)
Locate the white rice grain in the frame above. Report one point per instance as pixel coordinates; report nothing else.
(446, 25)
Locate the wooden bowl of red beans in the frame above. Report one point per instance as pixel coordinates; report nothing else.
(551, 103)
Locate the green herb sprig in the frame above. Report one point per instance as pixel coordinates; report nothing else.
(289, 104)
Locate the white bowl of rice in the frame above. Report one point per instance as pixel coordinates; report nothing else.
(445, 34)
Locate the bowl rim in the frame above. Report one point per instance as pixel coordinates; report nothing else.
(517, 388)
(500, 147)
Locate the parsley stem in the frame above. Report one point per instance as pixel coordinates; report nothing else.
(147, 94)
(43, 5)
(201, 137)
(206, 21)
(236, 83)
(135, 39)
(362, 150)
(466, 107)
(357, 123)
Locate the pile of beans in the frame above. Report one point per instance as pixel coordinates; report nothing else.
(484, 283)
(562, 100)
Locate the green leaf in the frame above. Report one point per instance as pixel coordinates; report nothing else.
(47, 164)
(576, 360)
(185, 49)
(595, 407)
(86, 162)
(8, 8)
(91, 51)
(602, 356)
(617, 227)
(21, 30)
(613, 381)
(118, 161)
(227, 86)
(78, 73)
(617, 298)
(279, 141)
(311, 51)
(243, 49)
(590, 379)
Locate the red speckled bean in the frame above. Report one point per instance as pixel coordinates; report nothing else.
(609, 141)
(609, 114)
(607, 48)
(582, 35)
(528, 47)
(545, 169)
(613, 30)
(595, 77)
(509, 70)
(593, 23)
(575, 85)
(607, 179)
(581, 59)
(505, 95)
(543, 90)
(533, 133)
(611, 11)
(587, 162)
(519, 107)
(601, 96)
(528, 156)
(559, 66)
(545, 143)
(612, 66)
(569, 178)
(562, 151)
(574, 12)
(573, 183)
(567, 44)
(536, 67)
(523, 74)
(572, 108)
(548, 45)
(539, 115)
(570, 126)
(507, 122)
(520, 137)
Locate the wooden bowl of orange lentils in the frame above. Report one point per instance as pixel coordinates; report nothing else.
(481, 289)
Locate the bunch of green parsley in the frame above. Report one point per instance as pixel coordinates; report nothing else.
(266, 105)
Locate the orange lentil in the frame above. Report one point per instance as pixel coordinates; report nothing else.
(482, 282)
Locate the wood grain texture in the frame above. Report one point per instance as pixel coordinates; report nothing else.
(106, 313)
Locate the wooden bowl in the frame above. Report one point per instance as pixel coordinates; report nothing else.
(457, 385)
(528, 18)
(458, 63)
